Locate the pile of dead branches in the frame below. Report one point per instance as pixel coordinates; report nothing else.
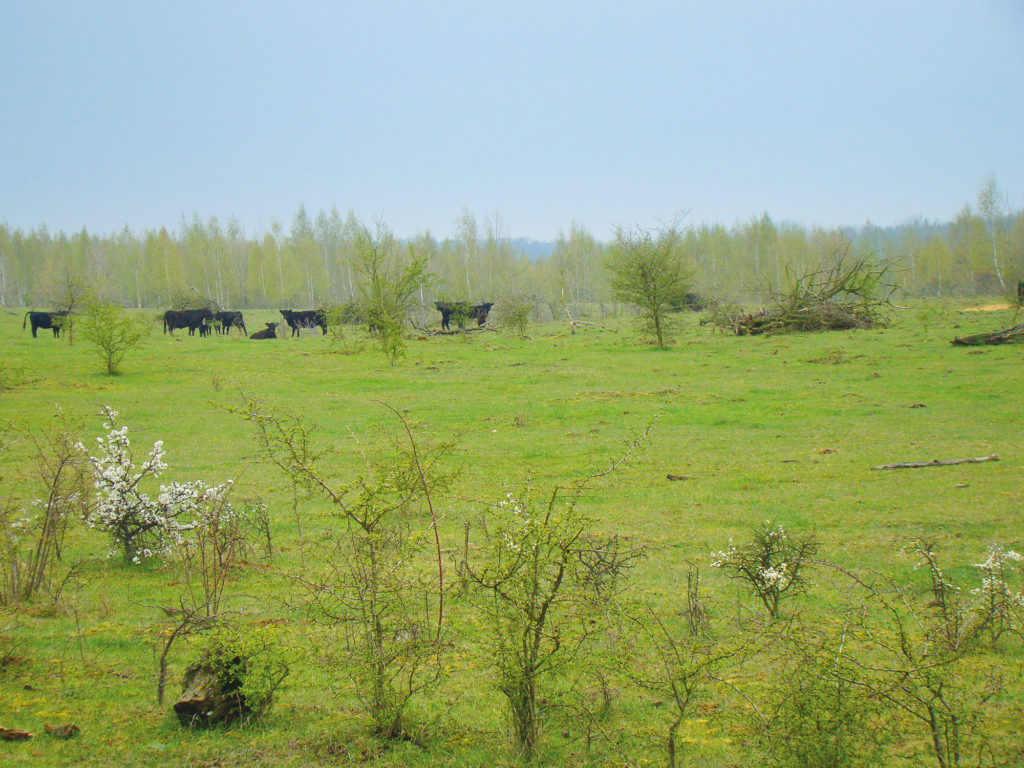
(846, 291)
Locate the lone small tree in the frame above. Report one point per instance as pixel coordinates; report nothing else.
(112, 332)
(647, 269)
(391, 279)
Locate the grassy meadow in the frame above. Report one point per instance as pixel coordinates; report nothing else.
(785, 428)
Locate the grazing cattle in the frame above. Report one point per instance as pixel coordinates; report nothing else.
(267, 333)
(1020, 291)
(304, 318)
(52, 320)
(188, 318)
(462, 311)
(229, 320)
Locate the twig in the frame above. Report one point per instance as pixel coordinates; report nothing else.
(937, 463)
(433, 517)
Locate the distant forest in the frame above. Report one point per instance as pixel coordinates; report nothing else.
(317, 261)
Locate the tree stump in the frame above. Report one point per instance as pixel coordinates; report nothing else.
(207, 700)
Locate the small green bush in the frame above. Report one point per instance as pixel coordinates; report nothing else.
(248, 664)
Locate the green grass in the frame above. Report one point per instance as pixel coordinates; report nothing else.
(784, 427)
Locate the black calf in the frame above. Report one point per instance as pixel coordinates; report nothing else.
(267, 333)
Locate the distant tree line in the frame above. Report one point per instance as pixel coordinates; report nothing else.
(317, 261)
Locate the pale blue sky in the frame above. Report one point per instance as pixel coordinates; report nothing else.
(545, 113)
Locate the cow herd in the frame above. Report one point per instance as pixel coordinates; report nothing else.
(206, 320)
(203, 320)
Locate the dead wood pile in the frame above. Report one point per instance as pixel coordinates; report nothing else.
(845, 292)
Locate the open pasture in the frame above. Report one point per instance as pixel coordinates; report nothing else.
(786, 428)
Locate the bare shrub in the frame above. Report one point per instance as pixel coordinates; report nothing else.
(546, 584)
(32, 535)
(917, 648)
(363, 582)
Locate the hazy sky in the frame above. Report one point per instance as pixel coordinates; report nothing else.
(544, 113)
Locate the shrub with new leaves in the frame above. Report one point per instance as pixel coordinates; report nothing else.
(772, 564)
(112, 332)
(139, 525)
(914, 646)
(363, 580)
(240, 668)
(32, 535)
(545, 582)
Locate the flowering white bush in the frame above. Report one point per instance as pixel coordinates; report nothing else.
(1005, 607)
(770, 564)
(138, 524)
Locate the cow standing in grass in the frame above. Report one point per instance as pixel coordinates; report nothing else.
(304, 318)
(188, 318)
(229, 320)
(54, 320)
(462, 311)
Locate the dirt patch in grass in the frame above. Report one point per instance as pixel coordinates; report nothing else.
(987, 308)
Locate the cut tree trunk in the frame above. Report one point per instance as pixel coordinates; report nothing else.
(937, 463)
(1015, 334)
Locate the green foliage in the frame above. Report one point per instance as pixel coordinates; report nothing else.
(360, 581)
(677, 666)
(546, 583)
(112, 332)
(752, 430)
(13, 376)
(818, 716)
(192, 298)
(515, 311)
(249, 662)
(390, 279)
(648, 269)
(32, 535)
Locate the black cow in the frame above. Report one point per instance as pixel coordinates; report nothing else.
(267, 333)
(304, 318)
(462, 310)
(1020, 291)
(229, 320)
(52, 320)
(188, 318)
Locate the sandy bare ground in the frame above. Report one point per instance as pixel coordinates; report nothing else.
(987, 308)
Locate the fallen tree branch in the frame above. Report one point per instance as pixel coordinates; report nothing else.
(595, 325)
(937, 463)
(479, 329)
(997, 337)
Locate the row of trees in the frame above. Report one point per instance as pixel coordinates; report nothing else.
(317, 260)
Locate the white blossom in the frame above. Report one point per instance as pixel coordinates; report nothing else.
(146, 527)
